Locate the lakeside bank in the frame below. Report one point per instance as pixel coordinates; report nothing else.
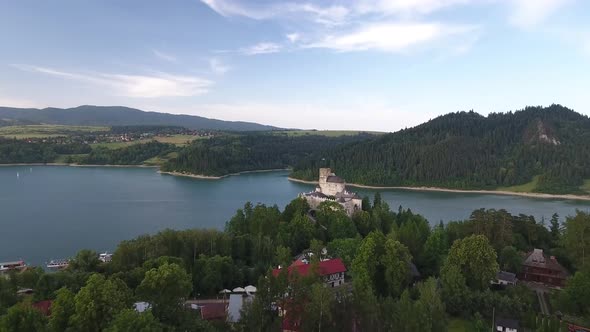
(463, 191)
(209, 177)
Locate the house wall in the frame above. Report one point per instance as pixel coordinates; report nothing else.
(334, 280)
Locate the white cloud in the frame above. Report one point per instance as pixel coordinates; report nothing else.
(528, 13)
(136, 86)
(293, 37)
(218, 67)
(328, 15)
(349, 25)
(164, 56)
(390, 37)
(262, 48)
(405, 7)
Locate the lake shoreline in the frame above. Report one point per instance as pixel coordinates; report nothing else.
(463, 191)
(355, 185)
(78, 165)
(209, 177)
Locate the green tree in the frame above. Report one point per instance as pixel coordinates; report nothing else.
(381, 265)
(435, 250)
(85, 261)
(346, 249)
(301, 231)
(99, 301)
(23, 318)
(476, 259)
(454, 289)
(432, 315)
(298, 206)
(576, 238)
(555, 227)
(510, 259)
(130, 320)
(318, 311)
(283, 256)
(62, 311)
(408, 317)
(363, 222)
(166, 288)
(396, 263)
(575, 298)
(7, 294)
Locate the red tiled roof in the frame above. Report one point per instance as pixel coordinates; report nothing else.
(213, 311)
(43, 306)
(325, 268)
(537, 258)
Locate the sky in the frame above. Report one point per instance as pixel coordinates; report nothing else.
(378, 65)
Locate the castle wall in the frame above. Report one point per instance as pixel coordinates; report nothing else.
(332, 188)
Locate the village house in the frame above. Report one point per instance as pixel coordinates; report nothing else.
(537, 267)
(331, 270)
(504, 278)
(333, 188)
(507, 325)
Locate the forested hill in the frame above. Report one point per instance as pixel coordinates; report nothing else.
(252, 151)
(117, 116)
(537, 149)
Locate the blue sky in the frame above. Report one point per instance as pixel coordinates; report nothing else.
(331, 64)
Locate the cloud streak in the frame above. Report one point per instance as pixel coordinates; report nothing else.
(390, 37)
(164, 56)
(135, 86)
(261, 48)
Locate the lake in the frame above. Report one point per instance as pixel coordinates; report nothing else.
(54, 211)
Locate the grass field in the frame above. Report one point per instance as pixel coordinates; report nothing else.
(586, 186)
(157, 161)
(178, 139)
(327, 133)
(528, 187)
(41, 131)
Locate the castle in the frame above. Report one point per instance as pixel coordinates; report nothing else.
(333, 188)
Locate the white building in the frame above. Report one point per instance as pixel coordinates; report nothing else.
(333, 188)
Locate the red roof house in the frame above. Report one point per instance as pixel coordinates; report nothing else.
(43, 306)
(537, 267)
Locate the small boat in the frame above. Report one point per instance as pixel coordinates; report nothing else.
(58, 264)
(12, 266)
(105, 257)
(17, 175)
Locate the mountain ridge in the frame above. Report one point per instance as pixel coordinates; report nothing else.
(466, 150)
(91, 115)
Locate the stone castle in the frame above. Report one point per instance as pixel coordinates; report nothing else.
(333, 188)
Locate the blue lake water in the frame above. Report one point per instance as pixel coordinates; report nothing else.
(54, 211)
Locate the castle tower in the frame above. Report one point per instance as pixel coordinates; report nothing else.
(324, 173)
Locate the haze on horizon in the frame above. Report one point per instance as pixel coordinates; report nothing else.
(336, 64)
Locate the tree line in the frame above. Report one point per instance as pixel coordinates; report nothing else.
(378, 245)
(235, 153)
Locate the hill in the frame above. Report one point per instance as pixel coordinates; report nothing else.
(229, 154)
(545, 149)
(118, 116)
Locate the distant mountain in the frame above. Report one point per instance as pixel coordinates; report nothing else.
(538, 149)
(118, 116)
